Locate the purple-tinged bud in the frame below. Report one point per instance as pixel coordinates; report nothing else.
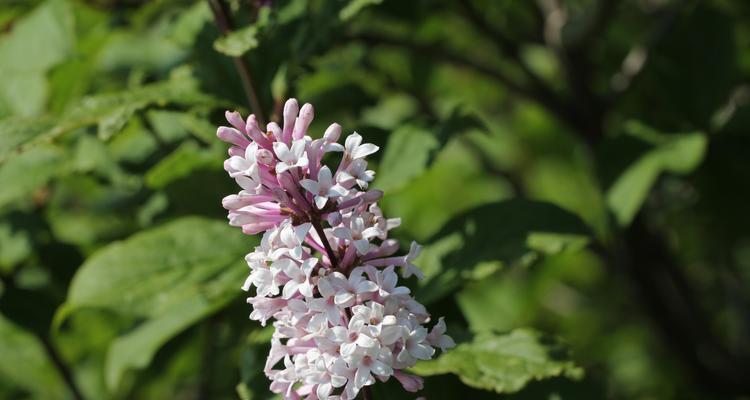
(233, 136)
(275, 131)
(256, 134)
(389, 247)
(236, 151)
(333, 133)
(372, 196)
(291, 108)
(411, 383)
(306, 115)
(234, 118)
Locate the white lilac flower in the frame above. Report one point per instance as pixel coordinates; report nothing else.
(356, 172)
(324, 270)
(324, 188)
(290, 157)
(354, 149)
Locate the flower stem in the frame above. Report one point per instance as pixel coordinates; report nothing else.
(221, 17)
(329, 250)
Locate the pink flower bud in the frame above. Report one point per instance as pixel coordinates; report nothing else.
(333, 133)
(306, 115)
(233, 136)
(235, 119)
(291, 108)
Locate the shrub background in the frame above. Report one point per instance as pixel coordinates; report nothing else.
(577, 170)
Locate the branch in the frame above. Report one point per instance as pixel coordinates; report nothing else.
(61, 367)
(548, 100)
(636, 59)
(221, 17)
(507, 47)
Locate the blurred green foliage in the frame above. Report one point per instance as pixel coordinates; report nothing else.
(578, 171)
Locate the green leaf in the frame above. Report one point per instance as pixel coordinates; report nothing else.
(508, 231)
(453, 184)
(173, 275)
(390, 112)
(406, 157)
(354, 7)
(109, 111)
(504, 363)
(136, 349)
(238, 42)
(21, 176)
(84, 211)
(657, 153)
(180, 163)
(25, 363)
(14, 247)
(36, 43)
(155, 270)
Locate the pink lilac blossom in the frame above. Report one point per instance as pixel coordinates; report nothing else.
(325, 270)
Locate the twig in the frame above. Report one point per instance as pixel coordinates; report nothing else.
(63, 368)
(221, 17)
(505, 45)
(638, 56)
(553, 104)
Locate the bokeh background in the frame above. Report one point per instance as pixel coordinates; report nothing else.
(579, 172)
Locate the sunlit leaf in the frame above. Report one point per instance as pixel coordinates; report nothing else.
(25, 363)
(504, 363)
(406, 156)
(674, 153)
(39, 41)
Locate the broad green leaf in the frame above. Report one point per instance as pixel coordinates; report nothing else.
(406, 157)
(25, 364)
(674, 153)
(14, 247)
(136, 349)
(109, 111)
(21, 176)
(84, 211)
(504, 363)
(180, 163)
(238, 42)
(354, 7)
(189, 24)
(507, 232)
(156, 270)
(390, 111)
(174, 275)
(168, 125)
(453, 184)
(38, 42)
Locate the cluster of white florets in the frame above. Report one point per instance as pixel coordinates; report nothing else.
(325, 270)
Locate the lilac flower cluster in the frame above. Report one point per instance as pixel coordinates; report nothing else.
(325, 269)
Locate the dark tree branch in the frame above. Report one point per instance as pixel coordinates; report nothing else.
(638, 56)
(559, 108)
(221, 17)
(602, 15)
